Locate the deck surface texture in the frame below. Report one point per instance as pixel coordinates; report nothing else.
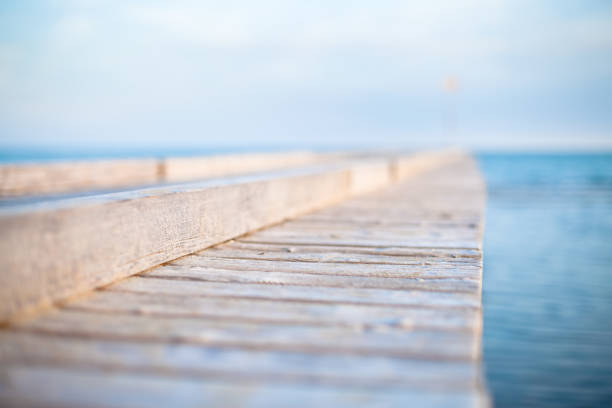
(375, 301)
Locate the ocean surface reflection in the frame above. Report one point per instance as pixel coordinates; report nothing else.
(548, 280)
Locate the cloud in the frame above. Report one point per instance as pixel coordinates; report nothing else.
(139, 68)
(311, 25)
(198, 26)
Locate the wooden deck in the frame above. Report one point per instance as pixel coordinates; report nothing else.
(374, 301)
(65, 177)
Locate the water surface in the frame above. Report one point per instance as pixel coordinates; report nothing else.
(548, 280)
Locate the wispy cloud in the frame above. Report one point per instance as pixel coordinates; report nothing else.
(137, 70)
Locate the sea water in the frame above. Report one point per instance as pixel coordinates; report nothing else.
(548, 279)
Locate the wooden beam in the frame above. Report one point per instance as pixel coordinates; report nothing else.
(286, 315)
(55, 178)
(57, 249)
(65, 177)
(179, 169)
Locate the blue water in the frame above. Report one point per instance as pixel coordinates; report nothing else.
(47, 154)
(10, 154)
(548, 280)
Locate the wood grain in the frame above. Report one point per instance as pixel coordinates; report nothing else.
(72, 246)
(278, 311)
(182, 361)
(66, 247)
(373, 301)
(87, 388)
(328, 295)
(178, 169)
(54, 178)
(75, 176)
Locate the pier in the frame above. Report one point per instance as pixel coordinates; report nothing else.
(320, 280)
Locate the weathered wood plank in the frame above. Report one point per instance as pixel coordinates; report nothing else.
(370, 176)
(384, 308)
(418, 227)
(239, 365)
(395, 253)
(337, 256)
(83, 243)
(72, 176)
(432, 271)
(82, 388)
(69, 246)
(179, 169)
(358, 241)
(53, 178)
(318, 279)
(405, 298)
(406, 166)
(277, 311)
(468, 232)
(381, 340)
(375, 235)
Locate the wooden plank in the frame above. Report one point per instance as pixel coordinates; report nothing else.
(420, 270)
(372, 234)
(368, 296)
(469, 231)
(72, 246)
(238, 365)
(278, 311)
(405, 166)
(370, 176)
(66, 247)
(321, 278)
(72, 176)
(86, 388)
(179, 169)
(54, 178)
(382, 340)
(387, 253)
(302, 254)
(384, 309)
(380, 225)
(358, 241)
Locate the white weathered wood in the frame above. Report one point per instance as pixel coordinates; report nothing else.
(372, 174)
(345, 320)
(318, 278)
(382, 340)
(53, 178)
(357, 241)
(69, 246)
(405, 166)
(72, 246)
(279, 311)
(422, 271)
(329, 295)
(302, 254)
(179, 169)
(73, 176)
(86, 388)
(186, 360)
(401, 255)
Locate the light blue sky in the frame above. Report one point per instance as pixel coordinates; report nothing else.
(123, 74)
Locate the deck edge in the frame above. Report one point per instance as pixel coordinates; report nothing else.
(51, 254)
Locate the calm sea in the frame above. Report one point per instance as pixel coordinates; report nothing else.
(548, 280)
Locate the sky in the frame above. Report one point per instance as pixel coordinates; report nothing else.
(499, 74)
